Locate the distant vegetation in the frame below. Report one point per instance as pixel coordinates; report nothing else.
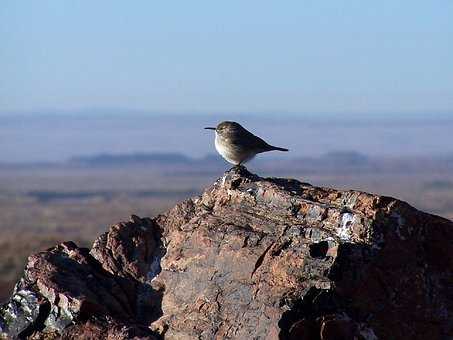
(346, 158)
(134, 158)
(439, 185)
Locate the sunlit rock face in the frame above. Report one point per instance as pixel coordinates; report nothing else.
(251, 258)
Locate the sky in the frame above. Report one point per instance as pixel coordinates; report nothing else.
(232, 56)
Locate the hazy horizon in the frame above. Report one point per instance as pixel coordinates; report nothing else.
(41, 138)
(82, 78)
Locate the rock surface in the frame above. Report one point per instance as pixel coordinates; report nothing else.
(251, 258)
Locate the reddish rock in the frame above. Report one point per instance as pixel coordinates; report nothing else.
(71, 292)
(251, 258)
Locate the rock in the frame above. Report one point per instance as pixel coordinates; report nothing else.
(71, 291)
(251, 258)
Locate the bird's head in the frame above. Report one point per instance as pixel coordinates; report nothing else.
(225, 128)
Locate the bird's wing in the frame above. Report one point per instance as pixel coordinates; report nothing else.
(244, 138)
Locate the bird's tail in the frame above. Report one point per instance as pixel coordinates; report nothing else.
(277, 148)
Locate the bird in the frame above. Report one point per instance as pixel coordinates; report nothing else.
(237, 145)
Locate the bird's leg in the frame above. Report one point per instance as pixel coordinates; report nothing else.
(234, 167)
(240, 166)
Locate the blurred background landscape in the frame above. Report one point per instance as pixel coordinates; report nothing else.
(103, 105)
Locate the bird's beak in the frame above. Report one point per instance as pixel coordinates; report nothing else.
(210, 128)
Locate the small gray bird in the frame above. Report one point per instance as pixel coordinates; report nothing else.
(237, 145)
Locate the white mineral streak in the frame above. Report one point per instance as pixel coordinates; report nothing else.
(344, 231)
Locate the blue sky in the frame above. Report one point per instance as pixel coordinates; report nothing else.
(232, 56)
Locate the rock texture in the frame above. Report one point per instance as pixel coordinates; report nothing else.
(251, 258)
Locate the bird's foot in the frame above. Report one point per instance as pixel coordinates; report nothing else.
(239, 166)
(238, 169)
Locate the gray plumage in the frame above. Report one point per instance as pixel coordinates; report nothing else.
(237, 145)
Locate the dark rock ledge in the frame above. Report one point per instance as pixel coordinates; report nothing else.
(251, 258)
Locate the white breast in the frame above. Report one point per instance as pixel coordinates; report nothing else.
(232, 156)
(224, 152)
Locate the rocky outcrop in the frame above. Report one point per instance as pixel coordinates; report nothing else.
(251, 258)
(77, 293)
